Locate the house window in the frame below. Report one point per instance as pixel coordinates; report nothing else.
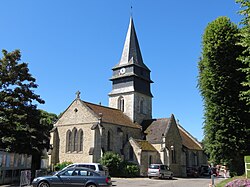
(121, 104)
(127, 138)
(80, 140)
(74, 138)
(131, 153)
(108, 141)
(68, 141)
(173, 154)
(150, 160)
(142, 106)
(195, 159)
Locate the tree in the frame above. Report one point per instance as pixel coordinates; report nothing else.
(226, 125)
(245, 42)
(23, 128)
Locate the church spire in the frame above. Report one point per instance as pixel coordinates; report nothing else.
(131, 53)
(131, 90)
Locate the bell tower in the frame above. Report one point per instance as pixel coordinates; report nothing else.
(131, 92)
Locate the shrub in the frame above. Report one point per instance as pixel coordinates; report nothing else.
(113, 162)
(60, 166)
(130, 169)
(117, 168)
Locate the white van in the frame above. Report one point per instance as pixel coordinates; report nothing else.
(160, 171)
(94, 166)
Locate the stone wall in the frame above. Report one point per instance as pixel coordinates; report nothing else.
(88, 142)
(132, 105)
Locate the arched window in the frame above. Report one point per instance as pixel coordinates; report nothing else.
(142, 106)
(68, 141)
(150, 160)
(74, 138)
(80, 140)
(109, 141)
(121, 104)
(131, 153)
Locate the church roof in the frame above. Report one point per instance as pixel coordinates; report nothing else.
(111, 115)
(144, 145)
(131, 53)
(156, 128)
(188, 140)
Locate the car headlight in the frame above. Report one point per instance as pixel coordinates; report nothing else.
(36, 179)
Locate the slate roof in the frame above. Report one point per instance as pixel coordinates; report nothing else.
(111, 115)
(156, 128)
(144, 145)
(131, 53)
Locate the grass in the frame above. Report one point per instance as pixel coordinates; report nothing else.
(224, 182)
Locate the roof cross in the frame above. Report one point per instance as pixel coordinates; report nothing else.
(78, 94)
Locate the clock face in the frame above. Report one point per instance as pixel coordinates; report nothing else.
(122, 71)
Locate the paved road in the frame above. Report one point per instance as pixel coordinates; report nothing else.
(144, 182)
(176, 182)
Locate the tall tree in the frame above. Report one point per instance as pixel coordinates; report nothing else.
(23, 128)
(226, 125)
(245, 42)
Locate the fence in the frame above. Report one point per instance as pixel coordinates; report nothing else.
(25, 178)
(247, 166)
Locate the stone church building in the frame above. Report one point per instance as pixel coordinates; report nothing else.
(85, 131)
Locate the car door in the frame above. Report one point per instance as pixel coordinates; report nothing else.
(168, 171)
(64, 177)
(163, 171)
(79, 177)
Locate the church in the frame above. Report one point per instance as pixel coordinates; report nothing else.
(85, 131)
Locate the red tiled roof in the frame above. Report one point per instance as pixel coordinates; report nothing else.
(188, 141)
(111, 115)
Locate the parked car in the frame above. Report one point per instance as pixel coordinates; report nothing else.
(159, 171)
(192, 172)
(94, 166)
(73, 176)
(204, 170)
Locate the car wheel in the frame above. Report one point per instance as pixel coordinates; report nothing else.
(162, 176)
(149, 177)
(43, 184)
(91, 185)
(171, 176)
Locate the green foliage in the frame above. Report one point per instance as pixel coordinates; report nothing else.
(112, 161)
(117, 167)
(23, 128)
(129, 169)
(245, 42)
(60, 166)
(226, 126)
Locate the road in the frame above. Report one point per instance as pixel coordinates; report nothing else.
(176, 182)
(144, 182)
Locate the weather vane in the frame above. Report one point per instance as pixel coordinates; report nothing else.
(131, 9)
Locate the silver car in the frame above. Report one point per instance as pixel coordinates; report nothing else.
(159, 171)
(73, 176)
(94, 166)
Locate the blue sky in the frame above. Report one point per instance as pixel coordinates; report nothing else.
(72, 45)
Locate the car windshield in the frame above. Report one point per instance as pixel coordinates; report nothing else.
(154, 166)
(100, 167)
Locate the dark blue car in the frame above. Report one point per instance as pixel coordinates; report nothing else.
(73, 177)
